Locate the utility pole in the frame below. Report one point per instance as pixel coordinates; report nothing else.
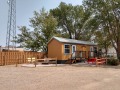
(11, 26)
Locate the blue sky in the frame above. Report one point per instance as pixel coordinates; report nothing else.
(24, 9)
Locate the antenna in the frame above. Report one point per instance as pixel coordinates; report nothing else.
(11, 26)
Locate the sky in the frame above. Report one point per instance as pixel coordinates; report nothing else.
(24, 11)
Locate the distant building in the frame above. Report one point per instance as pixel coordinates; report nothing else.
(0, 48)
(111, 52)
(17, 48)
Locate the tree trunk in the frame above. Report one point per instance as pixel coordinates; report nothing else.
(118, 50)
(106, 51)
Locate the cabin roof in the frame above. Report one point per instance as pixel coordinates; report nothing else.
(72, 41)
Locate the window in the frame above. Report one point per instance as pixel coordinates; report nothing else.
(67, 49)
(91, 48)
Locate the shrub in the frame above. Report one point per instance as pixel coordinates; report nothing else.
(119, 58)
(113, 62)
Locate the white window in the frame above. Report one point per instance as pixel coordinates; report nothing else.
(66, 49)
(91, 48)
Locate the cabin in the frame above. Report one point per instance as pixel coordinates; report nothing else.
(63, 48)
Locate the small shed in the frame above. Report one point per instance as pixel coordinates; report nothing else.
(62, 48)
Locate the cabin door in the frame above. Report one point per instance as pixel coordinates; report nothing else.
(73, 48)
(91, 51)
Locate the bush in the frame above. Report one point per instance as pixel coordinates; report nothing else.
(113, 62)
(119, 58)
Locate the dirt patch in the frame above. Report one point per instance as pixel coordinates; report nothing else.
(59, 78)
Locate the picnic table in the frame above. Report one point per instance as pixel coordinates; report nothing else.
(97, 61)
(101, 61)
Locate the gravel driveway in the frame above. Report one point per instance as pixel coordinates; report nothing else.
(74, 77)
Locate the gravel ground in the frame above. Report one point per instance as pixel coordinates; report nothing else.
(68, 77)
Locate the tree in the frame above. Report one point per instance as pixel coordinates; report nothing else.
(71, 21)
(44, 25)
(109, 18)
(103, 40)
(26, 38)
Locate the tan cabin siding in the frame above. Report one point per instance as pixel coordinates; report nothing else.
(83, 48)
(78, 47)
(87, 49)
(55, 49)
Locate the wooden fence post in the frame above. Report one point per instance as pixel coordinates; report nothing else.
(35, 62)
(23, 61)
(56, 61)
(3, 61)
(31, 59)
(96, 62)
(17, 62)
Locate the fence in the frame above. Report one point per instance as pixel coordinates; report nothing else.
(9, 58)
(80, 54)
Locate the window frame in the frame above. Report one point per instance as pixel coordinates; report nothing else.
(66, 48)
